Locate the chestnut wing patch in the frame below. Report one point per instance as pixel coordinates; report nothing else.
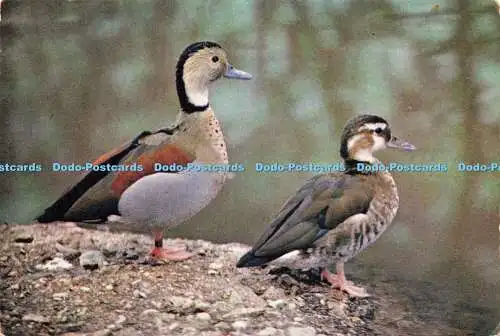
(95, 197)
(165, 154)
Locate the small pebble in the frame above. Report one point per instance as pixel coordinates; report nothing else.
(15, 286)
(59, 296)
(156, 304)
(56, 264)
(201, 306)
(203, 316)
(277, 304)
(113, 327)
(120, 320)
(150, 312)
(131, 254)
(173, 326)
(139, 294)
(69, 253)
(91, 260)
(223, 326)
(216, 266)
(181, 303)
(35, 318)
(238, 325)
(301, 331)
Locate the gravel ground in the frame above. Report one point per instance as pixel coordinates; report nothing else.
(60, 279)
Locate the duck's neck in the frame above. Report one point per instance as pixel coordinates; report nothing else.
(363, 155)
(358, 165)
(191, 91)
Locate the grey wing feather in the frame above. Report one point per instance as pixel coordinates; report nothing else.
(323, 203)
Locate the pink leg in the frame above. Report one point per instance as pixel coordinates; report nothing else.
(168, 253)
(339, 281)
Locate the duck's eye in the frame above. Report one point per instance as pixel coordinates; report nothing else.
(378, 130)
(215, 59)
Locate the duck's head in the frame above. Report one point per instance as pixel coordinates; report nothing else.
(365, 134)
(200, 64)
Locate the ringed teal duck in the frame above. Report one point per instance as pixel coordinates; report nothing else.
(334, 216)
(150, 198)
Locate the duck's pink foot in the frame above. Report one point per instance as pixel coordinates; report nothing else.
(177, 253)
(173, 249)
(171, 254)
(335, 280)
(339, 281)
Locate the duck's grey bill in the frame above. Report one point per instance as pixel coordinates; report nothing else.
(400, 144)
(232, 72)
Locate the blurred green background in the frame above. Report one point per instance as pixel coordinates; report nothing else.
(80, 77)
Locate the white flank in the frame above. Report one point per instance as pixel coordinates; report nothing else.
(114, 218)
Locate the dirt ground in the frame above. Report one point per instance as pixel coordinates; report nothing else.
(60, 279)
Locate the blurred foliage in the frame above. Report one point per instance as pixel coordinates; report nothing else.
(79, 77)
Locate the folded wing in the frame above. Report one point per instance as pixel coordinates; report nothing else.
(323, 203)
(96, 195)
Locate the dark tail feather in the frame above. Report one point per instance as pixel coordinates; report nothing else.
(59, 208)
(48, 216)
(251, 260)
